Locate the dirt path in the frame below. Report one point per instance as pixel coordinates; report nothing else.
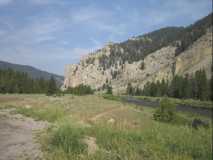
(17, 137)
(105, 113)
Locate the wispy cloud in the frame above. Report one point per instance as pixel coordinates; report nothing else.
(46, 2)
(5, 2)
(52, 33)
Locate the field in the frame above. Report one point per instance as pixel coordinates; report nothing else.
(95, 128)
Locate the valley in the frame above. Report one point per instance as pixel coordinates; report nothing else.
(112, 129)
(115, 80)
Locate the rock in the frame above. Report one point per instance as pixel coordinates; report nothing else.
(28, 106)
(111, 121)
(161, 64)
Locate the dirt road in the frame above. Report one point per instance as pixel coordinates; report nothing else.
(17, 137)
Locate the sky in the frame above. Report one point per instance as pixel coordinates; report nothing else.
(48, 34)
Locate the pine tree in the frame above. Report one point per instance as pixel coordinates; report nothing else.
(129, 90)
(52, 88)
(109, 90)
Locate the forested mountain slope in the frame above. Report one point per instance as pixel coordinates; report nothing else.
(31, 71)
(154, 56)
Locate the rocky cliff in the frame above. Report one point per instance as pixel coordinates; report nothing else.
(154, 56)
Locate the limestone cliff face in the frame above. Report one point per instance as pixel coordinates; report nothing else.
(158, 65)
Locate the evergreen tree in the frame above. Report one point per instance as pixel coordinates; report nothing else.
(80, 90)
(202, 85)
(52, 88)
(17, 82)
(194, 86)
(109, 90)
(129, 89)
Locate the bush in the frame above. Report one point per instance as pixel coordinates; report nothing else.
(166, 111)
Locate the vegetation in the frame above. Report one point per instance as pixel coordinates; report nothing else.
(166, 111)
(80, 90)
(19, 82)
(190, 102)
(135, 50)
(196, 87)
(30, 71)
(111, 97)
(67, 139)
(134, 135)
(130, 89)
(109, 90)
(52, 88)
(50, 113)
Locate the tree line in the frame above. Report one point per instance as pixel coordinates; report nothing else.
(195, 86)
(19, 82)
(80, 90)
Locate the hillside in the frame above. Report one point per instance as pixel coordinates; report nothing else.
(31, 71)
(154, 56)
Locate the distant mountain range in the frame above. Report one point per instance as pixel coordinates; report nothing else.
(31, 71)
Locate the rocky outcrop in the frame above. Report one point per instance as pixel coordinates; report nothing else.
(158, 65)
(197, 56)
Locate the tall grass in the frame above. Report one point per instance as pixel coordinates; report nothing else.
(159, 142)
(50, 113)
(65, 141)
(164, 141)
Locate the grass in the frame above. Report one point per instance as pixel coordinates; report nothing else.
(111, 97)
(160, 141)
(50, 114)
(133, 136)
(68, 139)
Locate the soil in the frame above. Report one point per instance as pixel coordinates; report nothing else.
(18, 137)
(91, 144)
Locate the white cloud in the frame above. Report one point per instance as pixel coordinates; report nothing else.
(5, 2)
(90, 14)
(42, 39)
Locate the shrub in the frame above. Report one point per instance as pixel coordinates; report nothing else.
(68, 139)
(166, 111)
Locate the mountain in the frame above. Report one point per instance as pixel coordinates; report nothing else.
(150, 57)
(31, 71)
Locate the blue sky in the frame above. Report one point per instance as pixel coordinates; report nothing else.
(49, 34)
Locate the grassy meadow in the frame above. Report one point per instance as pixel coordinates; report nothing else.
(95, 128)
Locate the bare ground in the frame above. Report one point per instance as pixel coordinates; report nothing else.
(17, 137)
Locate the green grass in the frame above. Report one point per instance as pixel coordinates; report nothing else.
(111, 97)
(50, 113)
(68, 139)
(160, 142)
(134, 135)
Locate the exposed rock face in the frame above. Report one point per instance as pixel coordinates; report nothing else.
(161, 64)
(198, 56)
